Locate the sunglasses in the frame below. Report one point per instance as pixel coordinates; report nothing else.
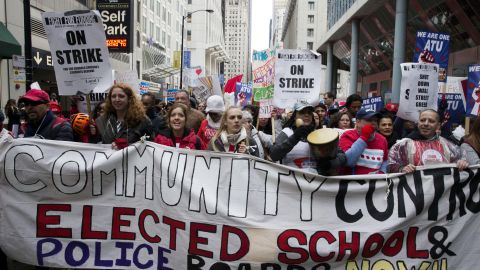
(34, 103)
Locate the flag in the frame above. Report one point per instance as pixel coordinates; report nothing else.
(230, 85)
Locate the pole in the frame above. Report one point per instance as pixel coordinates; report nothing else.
(181, 54)
(354, 57)
(329, 75)
(399, 47)
(28, 43)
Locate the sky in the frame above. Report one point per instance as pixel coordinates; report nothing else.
(261, 15)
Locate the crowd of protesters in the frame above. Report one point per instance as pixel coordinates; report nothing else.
(363, 142)
(372, 142)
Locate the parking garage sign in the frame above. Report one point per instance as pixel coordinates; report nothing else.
(117, 22)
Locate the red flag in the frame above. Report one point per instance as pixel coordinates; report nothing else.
(230, 85)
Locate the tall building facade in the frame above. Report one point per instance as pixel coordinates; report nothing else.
(300, 28)
(238, 37)
(161, 33)
(205, 35)
(276, 26)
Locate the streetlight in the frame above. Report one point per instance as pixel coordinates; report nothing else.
(189, 15)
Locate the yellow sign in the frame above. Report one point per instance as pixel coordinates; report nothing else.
(176, 59)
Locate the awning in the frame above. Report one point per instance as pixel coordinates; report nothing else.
(8, 43)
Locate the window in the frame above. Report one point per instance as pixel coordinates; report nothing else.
(189, 35)
(309, 32)
(311, 19)
(144, 24)
(157, 34)
(163, 37)
(310, 45)
(189, 2)
(164, 14)
(151, 29)
(311, 5)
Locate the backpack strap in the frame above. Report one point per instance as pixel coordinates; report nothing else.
(54, 128)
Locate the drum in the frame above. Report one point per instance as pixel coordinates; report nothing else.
(323, 143)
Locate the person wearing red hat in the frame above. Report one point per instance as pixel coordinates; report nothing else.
(41, 121)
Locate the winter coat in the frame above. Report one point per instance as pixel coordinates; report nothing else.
(221, 144)
(107, 129)
(51, 128)
(189, 140)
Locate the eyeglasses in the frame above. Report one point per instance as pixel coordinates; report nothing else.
(33, 103)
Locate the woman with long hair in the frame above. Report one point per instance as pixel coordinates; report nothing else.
(385, 127)
(341, 121)
(13, 113)
(232, 136)
(471, 144)
(123, 121)
(177, 135)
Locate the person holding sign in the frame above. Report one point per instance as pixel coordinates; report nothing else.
(424, 147)
(177, 135)
(232, 136)
(366, 150)
(291, 146)
(124, 121)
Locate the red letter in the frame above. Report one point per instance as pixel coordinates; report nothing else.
(195, 239)
(396, 238)
(43, 221)
(412, 251)
(344, 246)
(313, 246)
(174, 225)
(87, 232)
(376, 239)
(282, 243)
(118, 222)
(141, 225)
(244, 244)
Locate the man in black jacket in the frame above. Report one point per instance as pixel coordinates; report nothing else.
(158, 122)
(42, 123)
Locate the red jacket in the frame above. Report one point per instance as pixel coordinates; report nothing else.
(188, 141)
(205, 132)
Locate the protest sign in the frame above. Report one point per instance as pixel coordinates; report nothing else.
(148, 206)
(205, 87)
(455, 107)
(95, 99)
(297, 78)
(418, 89)
(243, 94)
(263, 74)
(169, 95)
(473, 90)
(433, 47)
(265, 108)
(79, 52)
(373, 104)
(129, 77)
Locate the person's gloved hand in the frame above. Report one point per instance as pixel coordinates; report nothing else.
(302, 132)
(367, 132)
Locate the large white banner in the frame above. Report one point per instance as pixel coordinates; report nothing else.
(79, 52)
(418, 89)
(297, 77)
(75, 205)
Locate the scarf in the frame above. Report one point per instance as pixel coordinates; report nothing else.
(233, 139)
(214, 125)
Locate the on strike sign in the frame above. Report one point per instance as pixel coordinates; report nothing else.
(79, 52)
(297, 77)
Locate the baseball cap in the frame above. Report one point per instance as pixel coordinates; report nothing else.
(35, 95)
(302, 105)
(367, 114)
(55, 107)
(391, 107)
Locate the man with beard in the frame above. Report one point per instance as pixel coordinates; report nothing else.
(424, 147)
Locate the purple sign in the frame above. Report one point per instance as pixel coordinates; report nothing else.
(433, 47)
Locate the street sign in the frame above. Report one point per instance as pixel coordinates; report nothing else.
(41, 59)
